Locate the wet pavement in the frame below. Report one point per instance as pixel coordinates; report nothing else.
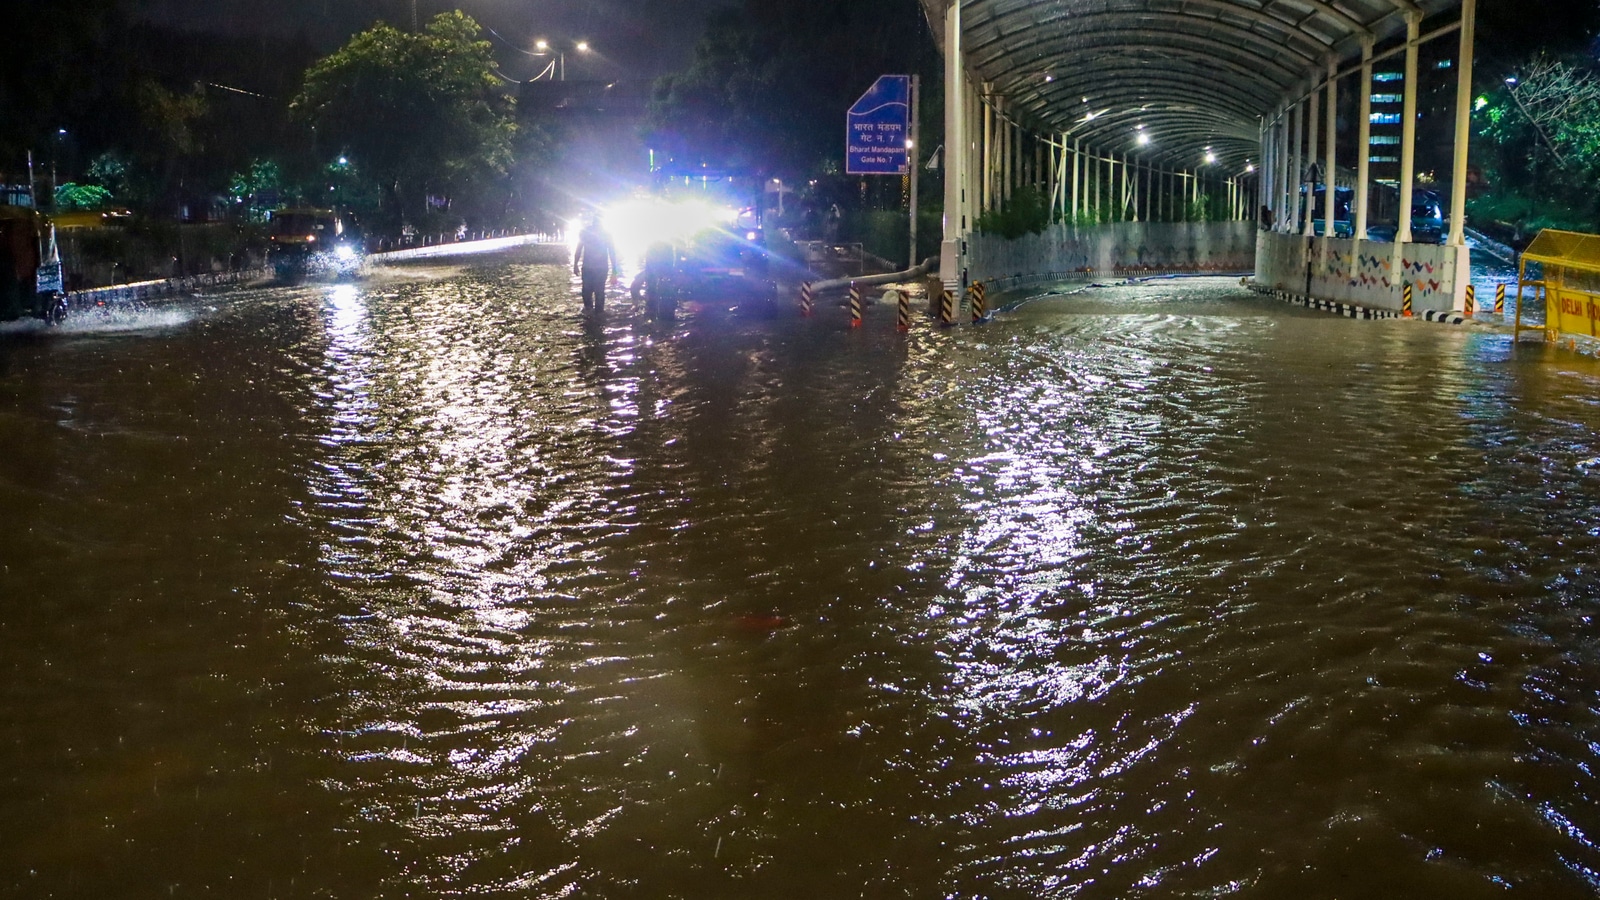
(427, 587)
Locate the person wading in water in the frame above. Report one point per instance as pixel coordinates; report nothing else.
(595, 259)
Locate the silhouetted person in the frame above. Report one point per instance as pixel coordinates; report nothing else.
(595, 259)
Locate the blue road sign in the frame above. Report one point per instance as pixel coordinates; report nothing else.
(878, 125)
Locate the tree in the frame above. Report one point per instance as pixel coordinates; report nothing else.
(719, 110)
(71, 196)
(1560, 103)
(1541, 146)
(258, 189)
(420, 113)
(770, 82)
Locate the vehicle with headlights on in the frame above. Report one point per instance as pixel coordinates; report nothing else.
(310, 243)
(691, 238)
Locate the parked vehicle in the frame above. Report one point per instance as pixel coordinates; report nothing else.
(1427, 218)
(1343, 198)
(1427, 221)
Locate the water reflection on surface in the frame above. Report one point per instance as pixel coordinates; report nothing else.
(426, 586)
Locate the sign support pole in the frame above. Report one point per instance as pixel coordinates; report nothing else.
(913, 160)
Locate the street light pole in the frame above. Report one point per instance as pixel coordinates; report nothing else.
(55, 158)
(543, 48)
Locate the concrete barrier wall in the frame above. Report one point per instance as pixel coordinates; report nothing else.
(1113, 249)
(463, 248)
(161, 287)
(1363, 273)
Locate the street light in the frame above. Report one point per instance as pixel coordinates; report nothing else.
(542, 48)
(55, 158)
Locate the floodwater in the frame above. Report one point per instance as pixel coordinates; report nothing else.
(424, 587)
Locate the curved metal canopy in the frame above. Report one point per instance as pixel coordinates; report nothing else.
(1196, 76)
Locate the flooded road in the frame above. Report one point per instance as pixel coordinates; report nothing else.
(424, 587)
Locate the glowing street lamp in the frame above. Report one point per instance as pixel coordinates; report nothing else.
(542, 48)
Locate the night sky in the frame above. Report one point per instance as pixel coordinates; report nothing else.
(634, 38)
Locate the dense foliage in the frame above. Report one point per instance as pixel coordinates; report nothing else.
(421, 113)
(771, 80)
(1539, 144)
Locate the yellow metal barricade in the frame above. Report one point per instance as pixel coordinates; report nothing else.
(1570, 283)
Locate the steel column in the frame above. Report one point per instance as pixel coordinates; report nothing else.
(988, 156)
(1308, 177)
(1331, 163)
(1007, 150)
(1364, 144)
(1077, 171)
(1408, 125)
(1296, 167)
(1458, 186)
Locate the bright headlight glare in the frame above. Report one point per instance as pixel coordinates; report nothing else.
(641, 222)
(345, 251)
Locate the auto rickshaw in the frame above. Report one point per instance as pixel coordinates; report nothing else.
(30, 267)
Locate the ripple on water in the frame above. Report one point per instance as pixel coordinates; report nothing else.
(1140, 591)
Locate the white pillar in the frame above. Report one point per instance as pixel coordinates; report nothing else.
(1408, 126)
(989, 159)
(1297, 166)
(1077, 173)
(1099, 177)
(1280, 169)
(1364, 144)
(1271, 189)
(1038, 164)
(1285, 160)
(972, 132)
(1052, 174)
(1144, 193)
(1126, 211)
(1267, 155)
(1330, 165)
(1314, 104)
(951, 258)
(1008, 149)
(1458, 186)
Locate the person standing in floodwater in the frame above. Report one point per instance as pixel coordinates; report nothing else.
(596, 259)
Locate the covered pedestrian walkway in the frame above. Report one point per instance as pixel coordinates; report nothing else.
(1153, 111)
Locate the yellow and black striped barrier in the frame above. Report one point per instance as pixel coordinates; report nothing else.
(903, 311)
(947, 308)
(1405, 300)
(1500, 300)
(855, 305)
(1472, 301)
(806, 299)
(980, 301)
